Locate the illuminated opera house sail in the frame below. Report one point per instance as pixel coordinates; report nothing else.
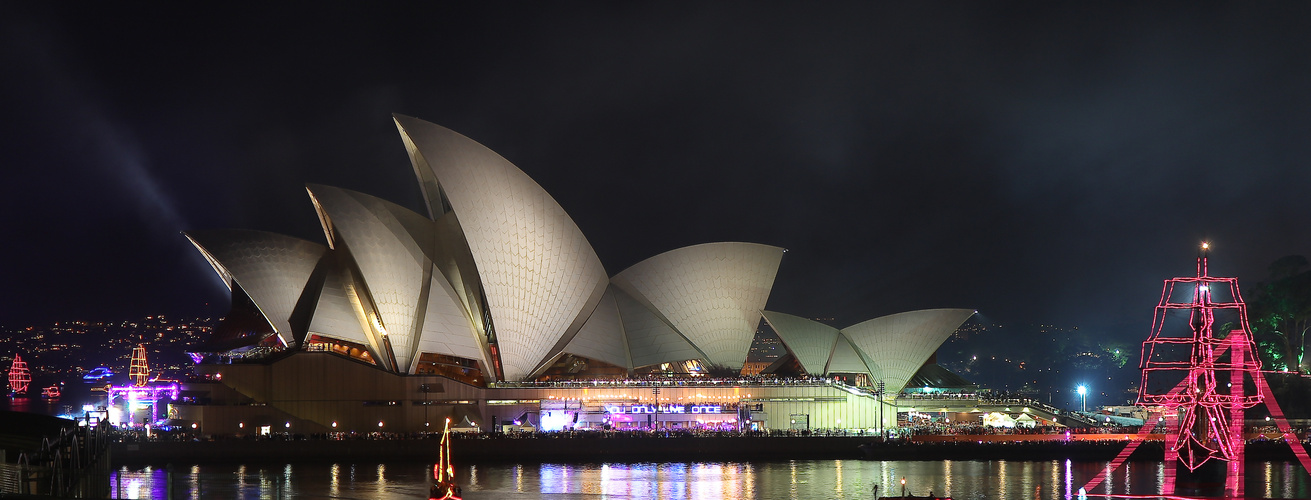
(495, 282)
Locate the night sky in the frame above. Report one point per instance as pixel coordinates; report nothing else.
(1042, 164)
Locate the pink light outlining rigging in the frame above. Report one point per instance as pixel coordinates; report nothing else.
(1205, 405)
(1182, 369)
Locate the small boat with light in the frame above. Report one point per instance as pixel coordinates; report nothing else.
(443, 473)
(51, 392)
(99, 374)
(906, 496)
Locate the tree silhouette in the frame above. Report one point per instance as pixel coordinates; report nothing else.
(1280, 314)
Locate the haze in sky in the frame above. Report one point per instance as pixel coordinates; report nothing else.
(1041, 163)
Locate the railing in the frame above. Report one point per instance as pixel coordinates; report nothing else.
(691, 382)
(73, 465)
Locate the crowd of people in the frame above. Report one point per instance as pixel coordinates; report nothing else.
(766, 380)
(138, 434)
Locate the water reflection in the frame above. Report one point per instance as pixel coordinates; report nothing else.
(800, 479)
(334, 480)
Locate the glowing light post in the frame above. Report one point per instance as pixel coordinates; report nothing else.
(655, 391)
(1083, 398)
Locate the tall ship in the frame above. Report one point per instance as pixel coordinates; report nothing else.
(19, 377)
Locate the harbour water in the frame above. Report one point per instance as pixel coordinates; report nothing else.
(770, 480)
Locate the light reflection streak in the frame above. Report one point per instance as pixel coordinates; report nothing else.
(1128, 473)
(838, 470)
(1055, 466)
(701, 483)
(801, 479)
(946, 481)
(1001, 474)
(1289, 471)
(792, 470)
(286, 478)
(1267, 471)
(1160, 478)
(133, 488)
(1107, 474)
(749, 481)
(263, 479)
(1026, 477)
(886, 479)
(1069, 480)
(334, 480)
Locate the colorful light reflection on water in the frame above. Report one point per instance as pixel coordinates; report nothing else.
(785, 480)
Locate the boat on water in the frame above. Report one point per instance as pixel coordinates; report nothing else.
(19, 377)
(98, 374)
(907, 496)
(51, 392)
(443, 473)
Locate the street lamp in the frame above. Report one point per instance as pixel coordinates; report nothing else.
(1083, 398)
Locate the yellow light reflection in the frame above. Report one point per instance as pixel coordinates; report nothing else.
(334, 480)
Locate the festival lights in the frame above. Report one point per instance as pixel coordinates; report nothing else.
(19, 376)
(1183, 365)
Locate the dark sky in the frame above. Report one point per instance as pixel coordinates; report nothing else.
(1038, 163)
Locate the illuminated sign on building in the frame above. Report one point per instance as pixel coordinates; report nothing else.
(651, 409)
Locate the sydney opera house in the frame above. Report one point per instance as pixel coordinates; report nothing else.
(493, 308)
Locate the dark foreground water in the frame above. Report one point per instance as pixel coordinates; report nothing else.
(801, 479)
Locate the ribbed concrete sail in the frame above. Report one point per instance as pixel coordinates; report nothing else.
(810, 341)
(901, 343)
(711, 293)
(602, 336)
(650, 340)
(270, 267)
(538, 271)
(497, 256)
(846, 359)
(334, 316)
(446, 327)
(394, 267)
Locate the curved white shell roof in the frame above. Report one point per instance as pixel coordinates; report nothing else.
(446, 326)
(335, 317)
(538, 271)
(900, 343)
(810, 341)
(602, 336)
(272, 268)
(711, 293)
(650, 338)
(497, 254)
(393, 265)
(847, 359)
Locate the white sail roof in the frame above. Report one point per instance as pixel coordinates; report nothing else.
(712, 293)
(272, 268)
(538, 271)
(900, 343)
(602, 336)
(393, 264)
(810, 341)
